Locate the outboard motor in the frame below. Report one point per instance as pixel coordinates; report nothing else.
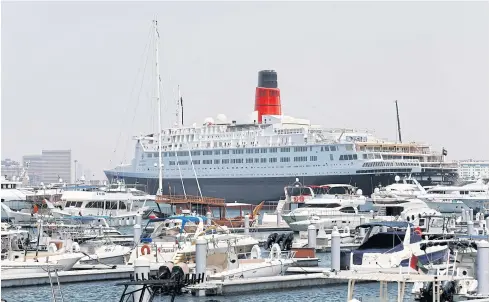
(165, 271)
(280, 240)
(287, 242)
(448, 289)
(179, 271)
(271, 240)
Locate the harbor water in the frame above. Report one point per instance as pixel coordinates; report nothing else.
(110, 291)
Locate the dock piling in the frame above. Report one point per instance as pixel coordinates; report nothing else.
(483, 268)
(247, 224)
(311, 236)
(136, 234)
(335, 250)
(141, 272)
(470, 227)
(208, 215)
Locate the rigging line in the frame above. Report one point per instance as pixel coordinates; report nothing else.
(137, 103)
(132, 91)
(180, 172)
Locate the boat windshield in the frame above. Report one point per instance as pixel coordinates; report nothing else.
(319, 205)
(383, 240)
(298, 191)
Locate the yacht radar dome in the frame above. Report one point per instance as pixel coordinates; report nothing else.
(221, 119)
(209, 121)
(397, 178)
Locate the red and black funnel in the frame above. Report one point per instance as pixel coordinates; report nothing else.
(267, 97)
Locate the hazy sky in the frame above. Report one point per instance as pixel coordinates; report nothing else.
(69, 68)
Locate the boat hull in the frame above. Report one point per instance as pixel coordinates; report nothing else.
(252, 189)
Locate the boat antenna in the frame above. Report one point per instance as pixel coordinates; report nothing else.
(158, 100)
(398, 123)
(180, 100)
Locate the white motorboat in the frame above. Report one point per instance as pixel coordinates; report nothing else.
(393, 244)
(324, 205)
(170, 242)
(103, 252)
(275, 264)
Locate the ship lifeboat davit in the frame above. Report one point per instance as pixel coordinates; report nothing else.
(267, 96)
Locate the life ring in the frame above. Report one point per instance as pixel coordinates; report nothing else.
(145, 248)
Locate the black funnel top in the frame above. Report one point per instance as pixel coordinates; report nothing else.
(267, 79)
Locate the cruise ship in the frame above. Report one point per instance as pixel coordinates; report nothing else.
(252, 162)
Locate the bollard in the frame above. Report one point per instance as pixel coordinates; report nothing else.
(471, 214)
(208, 215)
(335, 250)
(311, 236)
(247, 224)
(200, 256)
(483, 268)
(141, 271)
(470, 227)
(139, 219)
(136, 234)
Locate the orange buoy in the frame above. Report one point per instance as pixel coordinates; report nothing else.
(35, 209)
(145, 248)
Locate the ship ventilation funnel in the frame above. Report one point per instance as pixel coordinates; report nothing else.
(267, 97)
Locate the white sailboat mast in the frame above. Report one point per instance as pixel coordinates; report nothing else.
(158, 100)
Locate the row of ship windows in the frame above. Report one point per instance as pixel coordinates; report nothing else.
(384, 171)
(241, 160)
(388, 164)
(247, 151)
(109, 205)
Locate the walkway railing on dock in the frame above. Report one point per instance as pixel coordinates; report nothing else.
(181, 199)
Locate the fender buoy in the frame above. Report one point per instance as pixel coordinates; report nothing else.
(35, 209)
(145, 248)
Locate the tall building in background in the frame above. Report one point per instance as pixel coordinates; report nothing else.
(33, 164)
(473, 169)
(11, 168)
(56, 164)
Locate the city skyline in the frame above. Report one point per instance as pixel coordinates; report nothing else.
(340, 66)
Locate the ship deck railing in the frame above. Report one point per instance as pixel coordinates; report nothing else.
(189, 199)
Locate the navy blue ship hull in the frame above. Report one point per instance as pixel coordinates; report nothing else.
(254, 190)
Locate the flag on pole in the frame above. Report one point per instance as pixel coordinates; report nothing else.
(444, 152)
(415, 264)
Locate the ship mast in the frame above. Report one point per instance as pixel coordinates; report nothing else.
(398, 124)
(158, 100)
